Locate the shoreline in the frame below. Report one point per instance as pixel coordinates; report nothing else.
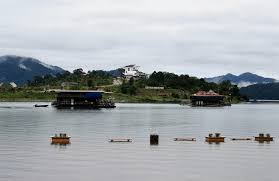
(117, 102)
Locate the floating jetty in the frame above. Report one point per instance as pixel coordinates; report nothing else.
(120, 140)
(81, 99)
(263, 138)
(241, 139)
(41, 105)
(208, 99)
(184, 139)
(217, 138)
(62, 139)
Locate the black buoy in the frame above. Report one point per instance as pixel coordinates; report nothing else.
(154, 139)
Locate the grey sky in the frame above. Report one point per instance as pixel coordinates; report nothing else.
(197, 37)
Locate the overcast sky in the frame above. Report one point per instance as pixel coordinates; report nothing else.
(197, 37)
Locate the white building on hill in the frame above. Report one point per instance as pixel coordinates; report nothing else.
(132, 71)
(13, 85)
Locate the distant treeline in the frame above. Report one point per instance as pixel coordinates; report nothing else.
(81, 79)
(94, 78)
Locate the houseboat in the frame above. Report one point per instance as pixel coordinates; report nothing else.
(208, 99)
(62, 138)
(81, 99)
(217, 138)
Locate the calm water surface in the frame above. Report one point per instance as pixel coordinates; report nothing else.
(26, 152)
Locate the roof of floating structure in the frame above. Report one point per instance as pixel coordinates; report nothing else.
(209, 93)
(78, 91)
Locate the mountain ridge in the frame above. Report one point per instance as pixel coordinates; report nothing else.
(20, 69)
(268, 91)
(242, 80)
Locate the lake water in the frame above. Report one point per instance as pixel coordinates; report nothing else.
(26, 152)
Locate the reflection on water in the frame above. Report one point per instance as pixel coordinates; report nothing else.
(26, 152)
(61, 146)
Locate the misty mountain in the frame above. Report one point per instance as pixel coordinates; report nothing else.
(262, 91)
(243, 80)
(21, 69)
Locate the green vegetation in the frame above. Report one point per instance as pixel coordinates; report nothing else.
(177, 88)
(26, 95)
(76, 80)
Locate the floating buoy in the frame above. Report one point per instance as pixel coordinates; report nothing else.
(62, 139)
(217, 138)
(263, 138)
(154, 139)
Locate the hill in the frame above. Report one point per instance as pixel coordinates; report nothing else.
(262, 91)
(175, 87)
(21, 69)
(243, 80)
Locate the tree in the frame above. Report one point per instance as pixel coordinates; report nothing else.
(78, 71)
(129, 88)
(90, 83)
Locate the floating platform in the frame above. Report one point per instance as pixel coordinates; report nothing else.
(263, 138)
(215, 139)
(184, 139)
(120, 140)
(62, 139)
(41, 105)
(81, 99)
(241, 139)
(85, 106)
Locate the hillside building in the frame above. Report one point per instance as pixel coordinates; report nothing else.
(132, 71)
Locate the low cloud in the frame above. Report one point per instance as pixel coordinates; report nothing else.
(196, 37)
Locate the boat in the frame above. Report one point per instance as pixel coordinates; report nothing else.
(217, 138)
(41, 105)
(62, 138)
(263, 138)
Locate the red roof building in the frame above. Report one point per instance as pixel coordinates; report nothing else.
(210, 98)
(209, 93)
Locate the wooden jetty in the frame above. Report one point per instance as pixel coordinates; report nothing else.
(217, 138)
